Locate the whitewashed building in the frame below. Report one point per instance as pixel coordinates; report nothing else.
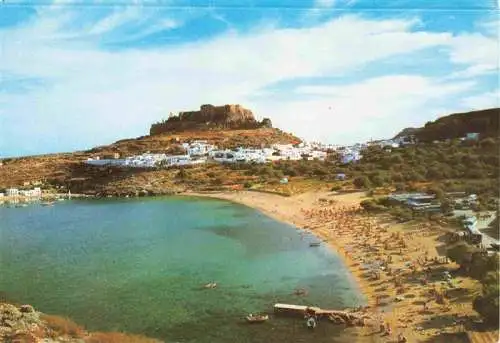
(198, 148)
(12, 192)
(31, 193)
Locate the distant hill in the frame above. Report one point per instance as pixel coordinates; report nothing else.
(484, 122)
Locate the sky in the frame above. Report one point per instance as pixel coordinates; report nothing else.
(78, 74)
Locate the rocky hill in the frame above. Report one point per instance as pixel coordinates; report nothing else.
(67, 170)
(484, 122)
(210, 117)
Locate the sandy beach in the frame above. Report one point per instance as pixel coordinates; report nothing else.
(399, 268)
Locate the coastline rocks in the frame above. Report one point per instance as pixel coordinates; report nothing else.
(26, 309)
(18, 322)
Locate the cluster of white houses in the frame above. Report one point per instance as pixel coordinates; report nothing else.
(199, 152)
(15, 192)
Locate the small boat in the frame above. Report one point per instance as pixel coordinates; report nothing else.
(314, 244)
(311, 323)
(210, 285)
(300, 291)
(259, 318)
(47, 203)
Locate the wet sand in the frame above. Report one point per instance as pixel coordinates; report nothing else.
(399, 268)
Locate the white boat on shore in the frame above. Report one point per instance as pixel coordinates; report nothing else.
(258, 318)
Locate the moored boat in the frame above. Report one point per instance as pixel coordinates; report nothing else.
(300, 291)
(311, 323)
(210, 285)
(314, 244)
(258, 318)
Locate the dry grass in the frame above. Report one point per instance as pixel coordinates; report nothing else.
(295, 186)
(61, 326)
(117, 337)
(22, 337)
(63, 167)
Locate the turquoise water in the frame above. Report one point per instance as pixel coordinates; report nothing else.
(138, 265)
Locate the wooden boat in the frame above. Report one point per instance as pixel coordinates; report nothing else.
(210, 285)
(259, 318)
(314, 244)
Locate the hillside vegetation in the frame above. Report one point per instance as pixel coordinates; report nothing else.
(457, 125)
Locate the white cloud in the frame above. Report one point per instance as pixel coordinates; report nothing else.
(490, 27)
(376, 107)
(119, 17)
(479, 55)
(482, 101)
(100, 96)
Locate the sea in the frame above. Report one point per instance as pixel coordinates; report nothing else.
(138, 265)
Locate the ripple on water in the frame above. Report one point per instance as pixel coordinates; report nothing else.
(139, 266)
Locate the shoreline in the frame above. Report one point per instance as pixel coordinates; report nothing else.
(396, 267)
(297, 221)
(385, 260)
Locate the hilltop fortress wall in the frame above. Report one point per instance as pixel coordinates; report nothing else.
(210, 117)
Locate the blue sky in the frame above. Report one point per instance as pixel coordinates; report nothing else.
(77, 74)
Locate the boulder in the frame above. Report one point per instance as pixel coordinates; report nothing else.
(26, 309)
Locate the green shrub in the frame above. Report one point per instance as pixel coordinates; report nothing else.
(487, 304)
(437, 191)
(371, 206)
(377, 181)
(361, 182)
(447, 206)
(402, 214)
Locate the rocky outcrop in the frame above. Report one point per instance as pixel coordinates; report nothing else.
(24, 324)
(211, 117)
(20, 323)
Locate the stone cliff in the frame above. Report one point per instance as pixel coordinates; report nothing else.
(211, 117)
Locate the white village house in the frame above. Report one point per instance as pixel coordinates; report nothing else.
(12, 192)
